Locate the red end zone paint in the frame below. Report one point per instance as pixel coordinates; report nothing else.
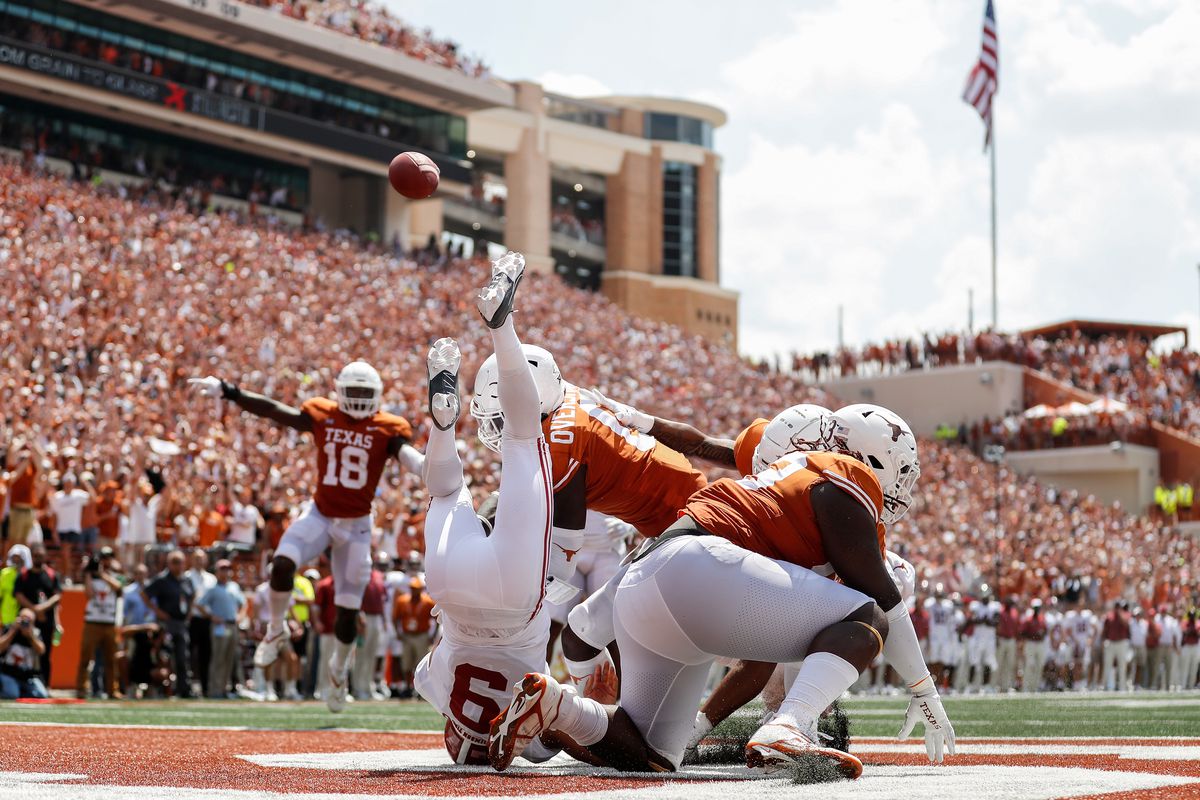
(340, 762)
(201, 759)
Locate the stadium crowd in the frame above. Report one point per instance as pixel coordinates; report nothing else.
(372, 22)
(1157, 386)
(116, 298)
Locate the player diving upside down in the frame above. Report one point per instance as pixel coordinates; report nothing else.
(487, 577)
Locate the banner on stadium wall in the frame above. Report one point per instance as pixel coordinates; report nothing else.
(124, 82)
(218, 107)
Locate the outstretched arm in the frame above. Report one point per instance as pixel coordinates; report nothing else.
(678, 436)
(256, 404)
(685, 439)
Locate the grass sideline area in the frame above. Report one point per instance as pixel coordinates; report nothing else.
(1144, 714)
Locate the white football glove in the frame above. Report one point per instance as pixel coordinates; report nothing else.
(627, 415)
(926, 706)
(206, 387)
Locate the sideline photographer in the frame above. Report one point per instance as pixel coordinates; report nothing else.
(103, 590)
(21, 647)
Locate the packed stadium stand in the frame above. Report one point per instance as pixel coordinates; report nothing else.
(118, 295)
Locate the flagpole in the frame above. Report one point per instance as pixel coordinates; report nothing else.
(995, 324)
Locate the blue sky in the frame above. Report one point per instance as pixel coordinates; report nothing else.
(853, 172)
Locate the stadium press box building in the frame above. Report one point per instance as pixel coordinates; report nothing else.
(616, 194)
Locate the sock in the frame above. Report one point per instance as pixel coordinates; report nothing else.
(580, 672)
(278, 603)
(443, 469)
(340, 663)
(584, 720)
(289, 687)
(537, 752)
(517, 392)
(700, 728)
(822, 679)
(260, 680)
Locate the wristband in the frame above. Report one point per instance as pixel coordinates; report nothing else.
(230, 391)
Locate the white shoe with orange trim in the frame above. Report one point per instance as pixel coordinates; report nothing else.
(777, 744)
(534, 709)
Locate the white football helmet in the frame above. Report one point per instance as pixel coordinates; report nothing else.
(485, 405)
(359, 375)
(803, 428)
(883, 441)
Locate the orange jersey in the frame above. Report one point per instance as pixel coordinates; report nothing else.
(771, 513)
(350, 456)
(629, 475)
(412, 617)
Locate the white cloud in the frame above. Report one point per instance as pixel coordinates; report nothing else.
(855, 175)
(573, 84)
(839, 47)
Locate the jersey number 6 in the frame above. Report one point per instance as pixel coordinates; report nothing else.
(349, 471)
(462, 692)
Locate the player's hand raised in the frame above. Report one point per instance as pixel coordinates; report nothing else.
(627, 415)
(926, 707)
(206, 387)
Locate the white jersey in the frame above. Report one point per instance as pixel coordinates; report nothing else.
(1081, 626)
(469, 675)
(986, 615)
(941, 617)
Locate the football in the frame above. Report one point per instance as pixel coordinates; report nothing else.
(414, 175)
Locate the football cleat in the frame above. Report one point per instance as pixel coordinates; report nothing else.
(533, 709)
(271, 648)
(335, 692)
(443, 362)
(776, 745)
(495, 301)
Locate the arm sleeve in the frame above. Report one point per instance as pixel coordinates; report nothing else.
(412, 459)
(902, 650)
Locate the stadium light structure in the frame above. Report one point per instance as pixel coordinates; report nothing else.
(994, 454)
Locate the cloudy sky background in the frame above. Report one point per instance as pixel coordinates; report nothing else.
(854, 173)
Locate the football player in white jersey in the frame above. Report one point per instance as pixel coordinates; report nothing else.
(488, 577)
(981, 646)
(1079, 624)
(943, 638)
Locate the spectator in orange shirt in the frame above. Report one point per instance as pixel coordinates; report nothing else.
(412, 615)
(22, 481)
(109, 504)
(212, 527)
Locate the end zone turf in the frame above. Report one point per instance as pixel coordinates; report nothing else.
(92, 761)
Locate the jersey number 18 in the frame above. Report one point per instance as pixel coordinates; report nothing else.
(348, 471)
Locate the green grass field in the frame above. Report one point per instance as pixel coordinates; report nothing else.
(1047, 715)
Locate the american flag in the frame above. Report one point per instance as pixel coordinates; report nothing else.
(984, 78)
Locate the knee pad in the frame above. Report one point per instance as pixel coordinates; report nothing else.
(590, 627)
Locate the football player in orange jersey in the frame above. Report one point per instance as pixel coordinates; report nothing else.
(803, 427)
(354, 441)
(722, 581)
